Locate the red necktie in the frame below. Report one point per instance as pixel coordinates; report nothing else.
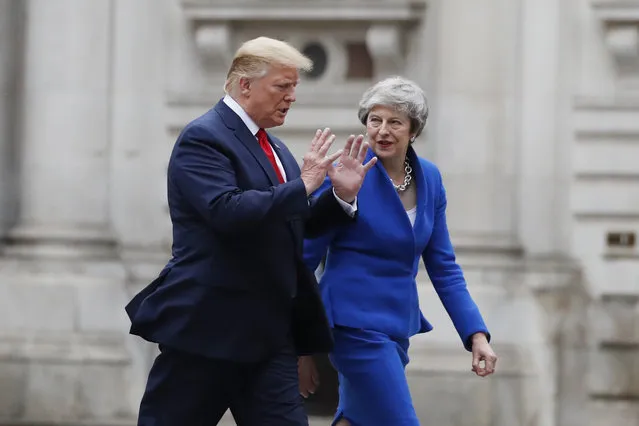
(268, 150)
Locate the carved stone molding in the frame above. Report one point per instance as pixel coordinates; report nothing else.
(303, 10)
(620, 20)
(384, 23)
(384, 42)
(213, 41)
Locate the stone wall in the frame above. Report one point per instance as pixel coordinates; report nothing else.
(533, 124)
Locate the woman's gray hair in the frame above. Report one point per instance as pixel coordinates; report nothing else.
(399, 94)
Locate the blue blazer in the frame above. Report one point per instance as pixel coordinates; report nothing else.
(236, 286)
(371, 264)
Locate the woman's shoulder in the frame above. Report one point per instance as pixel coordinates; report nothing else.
(429, 168)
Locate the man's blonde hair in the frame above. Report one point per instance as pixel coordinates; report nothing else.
(254, 57)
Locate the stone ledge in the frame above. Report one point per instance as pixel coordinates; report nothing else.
(433, 359)
(621, 297)
(283, 10)
(14, 268)
(61, 348)
(619, 345)
(128, 422)
(227, 420)
(617, 11)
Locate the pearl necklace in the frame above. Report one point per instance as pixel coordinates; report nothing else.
(407, 178)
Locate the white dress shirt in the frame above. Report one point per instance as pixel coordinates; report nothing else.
(253, 128)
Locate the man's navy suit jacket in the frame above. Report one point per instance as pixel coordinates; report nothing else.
(236, 286)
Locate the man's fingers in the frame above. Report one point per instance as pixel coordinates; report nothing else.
(321, 139)
(326, 145)
(316, 138)
(315, 376)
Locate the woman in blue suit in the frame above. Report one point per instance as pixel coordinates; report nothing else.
(368, 285)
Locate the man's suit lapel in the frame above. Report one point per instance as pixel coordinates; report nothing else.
(292, 170)
(288, 161)
(243, 134)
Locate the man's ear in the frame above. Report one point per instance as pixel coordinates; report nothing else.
(245, 86)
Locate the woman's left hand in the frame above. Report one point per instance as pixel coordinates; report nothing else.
(483, 353)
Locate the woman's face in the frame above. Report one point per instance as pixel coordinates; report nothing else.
(389, 132)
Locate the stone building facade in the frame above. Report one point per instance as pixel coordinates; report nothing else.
(534, 124)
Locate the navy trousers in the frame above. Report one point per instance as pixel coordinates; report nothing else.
(191, 390)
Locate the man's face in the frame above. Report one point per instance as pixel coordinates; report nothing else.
(267, 100)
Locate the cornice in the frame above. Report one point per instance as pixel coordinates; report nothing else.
(214, 23)
(202, 11)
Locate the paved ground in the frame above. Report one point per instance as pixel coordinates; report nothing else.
(313, 421)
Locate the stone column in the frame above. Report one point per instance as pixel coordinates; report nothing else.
(543, 192)
(472, 83)
(65, 129)
(141, 142)
(7, 82)
(140, 152)
(62, 287)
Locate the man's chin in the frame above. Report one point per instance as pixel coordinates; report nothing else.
(278, 121)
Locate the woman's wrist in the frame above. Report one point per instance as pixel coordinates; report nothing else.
(479, 337)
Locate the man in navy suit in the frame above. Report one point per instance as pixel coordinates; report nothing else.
(235, 306)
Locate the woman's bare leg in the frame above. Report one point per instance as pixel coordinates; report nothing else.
(342, 422)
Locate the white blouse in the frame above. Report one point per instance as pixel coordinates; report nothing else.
(412, 214)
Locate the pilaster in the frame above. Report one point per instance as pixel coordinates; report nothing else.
(472, 126)
(8, 58)
(64, 147)
(62, 287)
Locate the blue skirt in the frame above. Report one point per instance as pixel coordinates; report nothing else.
(373, 390)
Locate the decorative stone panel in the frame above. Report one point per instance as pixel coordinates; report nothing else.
(620, 21)
(352, 42)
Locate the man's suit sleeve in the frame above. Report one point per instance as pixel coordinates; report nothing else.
(206, 178)
(326, 212)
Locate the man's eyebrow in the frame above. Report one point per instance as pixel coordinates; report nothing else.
(287, 81)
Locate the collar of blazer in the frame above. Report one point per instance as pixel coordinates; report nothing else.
(387, 192)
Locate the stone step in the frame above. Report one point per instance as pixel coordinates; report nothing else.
(614, 373)
(613, 413)
(615, 320)
(227, 420)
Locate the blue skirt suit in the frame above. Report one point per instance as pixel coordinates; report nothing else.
(370, 295)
